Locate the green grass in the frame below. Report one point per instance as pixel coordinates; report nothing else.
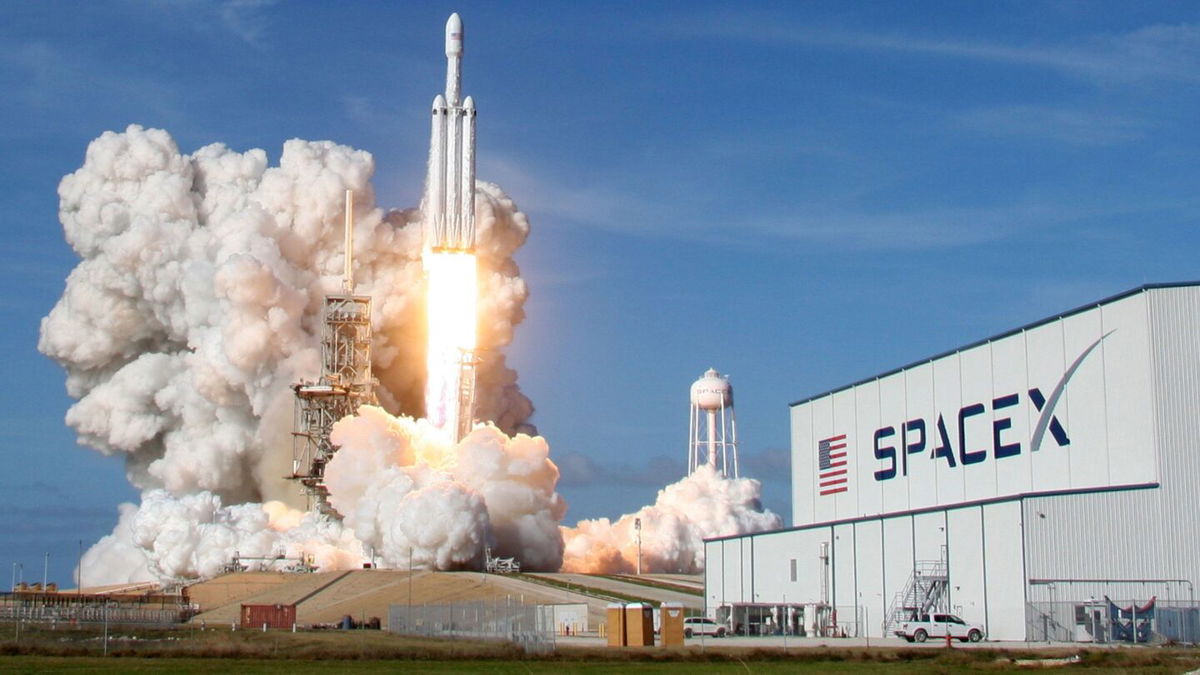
(124, 664)
(186, 650)
(27, 664)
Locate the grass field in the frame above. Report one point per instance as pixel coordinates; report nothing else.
(25, 664)
(187, 650)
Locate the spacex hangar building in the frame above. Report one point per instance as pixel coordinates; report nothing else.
(1044, 483)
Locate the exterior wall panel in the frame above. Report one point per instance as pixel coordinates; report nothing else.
(868, 545)
(1009, 418)
(773, 556)
(929, 535)
(1003, 571)
(966, 553)
(1085, 428)
(943, 433)
(803, 469)
(916, 439)
(859, 416)
(731, 579)
(897, 556)
(1045, 357)
(842, 569)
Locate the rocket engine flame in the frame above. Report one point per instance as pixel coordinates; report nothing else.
(451, 310)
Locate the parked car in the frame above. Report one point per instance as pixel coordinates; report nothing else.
(938, 626)
(700, 625)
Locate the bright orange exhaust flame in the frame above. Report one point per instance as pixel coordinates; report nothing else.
(451, 302)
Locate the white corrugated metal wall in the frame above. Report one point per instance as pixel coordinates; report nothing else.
(1135, 534)
(872, 560)
(1139, 531)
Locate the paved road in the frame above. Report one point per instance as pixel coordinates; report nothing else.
(603, 584)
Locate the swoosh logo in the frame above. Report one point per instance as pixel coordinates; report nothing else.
(1048, 411)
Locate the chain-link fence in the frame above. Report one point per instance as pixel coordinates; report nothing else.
(72, 614)
(530, 626)
(1104, 621)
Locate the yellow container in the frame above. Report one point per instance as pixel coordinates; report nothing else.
(670, 624)
(614, 625)
(639, 625)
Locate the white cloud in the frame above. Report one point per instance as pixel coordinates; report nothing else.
(244, 18)
(1061, 124)
(1157, 52)
(836, 221)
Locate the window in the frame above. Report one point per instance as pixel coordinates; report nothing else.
(793, 569)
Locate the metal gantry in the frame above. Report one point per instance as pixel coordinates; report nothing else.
(345, 383)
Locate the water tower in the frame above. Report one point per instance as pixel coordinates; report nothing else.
(712, 434)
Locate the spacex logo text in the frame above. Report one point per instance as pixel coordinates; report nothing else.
(915, 437)
(915, 434)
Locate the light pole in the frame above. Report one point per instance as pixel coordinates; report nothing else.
(637, 526)
(1052, 607)
(410, 576)
(866, 626)
(45, 570)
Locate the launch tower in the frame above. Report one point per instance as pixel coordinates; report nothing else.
(712, 432)
(345, 382)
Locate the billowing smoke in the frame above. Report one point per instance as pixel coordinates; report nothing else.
(195, 536)
(197, 304)
(702, 505)
(197, 300)
(406, 490)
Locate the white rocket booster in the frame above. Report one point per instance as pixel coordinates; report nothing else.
(450, 185)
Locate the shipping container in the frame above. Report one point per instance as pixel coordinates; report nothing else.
(272, 616)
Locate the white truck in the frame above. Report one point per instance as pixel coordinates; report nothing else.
(937, 627)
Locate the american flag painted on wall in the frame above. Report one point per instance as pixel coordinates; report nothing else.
(831, 457)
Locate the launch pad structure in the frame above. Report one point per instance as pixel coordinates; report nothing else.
(345, 382)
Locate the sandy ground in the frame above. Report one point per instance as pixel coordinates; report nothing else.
(327, 597)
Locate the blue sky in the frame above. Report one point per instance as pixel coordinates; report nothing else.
(797, 194)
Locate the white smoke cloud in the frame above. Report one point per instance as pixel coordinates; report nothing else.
(193, 536)
(197, 299)
(406, 490)
(701, 506)
(197, 304)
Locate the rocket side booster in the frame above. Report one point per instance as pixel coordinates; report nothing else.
(450, 185)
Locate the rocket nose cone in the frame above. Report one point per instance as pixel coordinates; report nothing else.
(454, 34)
(469, 103)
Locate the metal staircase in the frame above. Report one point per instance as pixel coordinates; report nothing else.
(924, 593)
